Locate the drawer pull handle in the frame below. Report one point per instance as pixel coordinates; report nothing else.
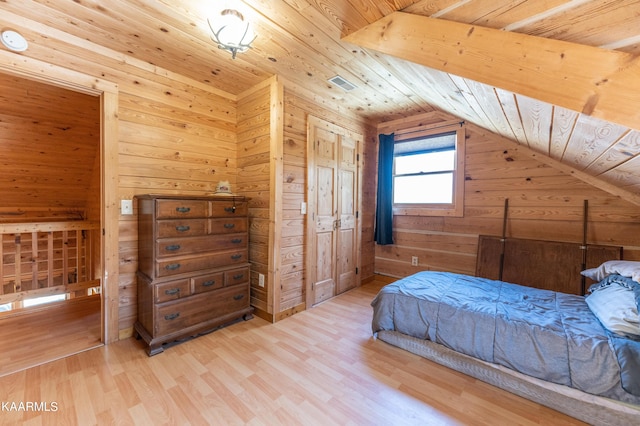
(238, 296)
(171, 317)
(208, 283)
(172, 266)
(236, 256)
(182, 228)
(229, 225)
(173, 247)
(236, 240)
(238, 277)
(230, 209)
(172, 291)
(183, 209)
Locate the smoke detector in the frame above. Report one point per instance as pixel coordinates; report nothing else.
(342, 83)
(13, 41)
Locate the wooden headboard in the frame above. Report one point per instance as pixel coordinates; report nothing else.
(550, 265)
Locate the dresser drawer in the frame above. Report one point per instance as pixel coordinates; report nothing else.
(226, 226)
(168, 209)
(208, 282)
(181, 265)
(181, 228)
(236, 276)
(171, 290)
(231, 299)
(179, 246)
(228, 208)
(174, 316)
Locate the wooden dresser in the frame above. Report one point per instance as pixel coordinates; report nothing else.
(193, 270)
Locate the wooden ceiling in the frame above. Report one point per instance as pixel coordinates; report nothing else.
(304, 42)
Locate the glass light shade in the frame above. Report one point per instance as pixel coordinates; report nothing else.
(231, 32)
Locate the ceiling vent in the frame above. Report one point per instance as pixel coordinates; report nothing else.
(341, 82)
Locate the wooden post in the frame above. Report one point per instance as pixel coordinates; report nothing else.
(584, 245)
(34, 261)
(17, 286)
(50, 259)
(65, 257)
(504, 237)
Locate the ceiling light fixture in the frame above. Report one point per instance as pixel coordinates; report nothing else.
(14, 41)
(231, 32)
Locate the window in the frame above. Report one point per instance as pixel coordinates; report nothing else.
(428, 171)
(44, 299)
(27, 303)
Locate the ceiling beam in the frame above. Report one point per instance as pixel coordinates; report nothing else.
(590, 80)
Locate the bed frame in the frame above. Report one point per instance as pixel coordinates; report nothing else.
(550, 265)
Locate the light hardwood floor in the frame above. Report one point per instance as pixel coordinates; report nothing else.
(319, 367)
(48, 333)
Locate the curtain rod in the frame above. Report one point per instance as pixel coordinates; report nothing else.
(423, 128)
(432, 127)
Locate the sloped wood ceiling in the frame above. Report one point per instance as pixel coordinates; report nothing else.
(304, 41)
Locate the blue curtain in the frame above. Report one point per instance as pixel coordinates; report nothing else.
(384, 203)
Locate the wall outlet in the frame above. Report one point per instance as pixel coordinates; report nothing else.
(126, 206)
(261, 280)
(414, 260)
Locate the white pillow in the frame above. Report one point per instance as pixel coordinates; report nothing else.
(615, 307)
(626, 268)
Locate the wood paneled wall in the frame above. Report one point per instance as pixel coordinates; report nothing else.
(45, 151)
(176, 137)
(272, 161)
(292, 241)
(369, 189)
(255, 181)
(545, 202)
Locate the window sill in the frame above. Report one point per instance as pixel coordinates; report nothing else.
(449, 210)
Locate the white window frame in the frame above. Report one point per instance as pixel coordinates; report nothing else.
(456, 208)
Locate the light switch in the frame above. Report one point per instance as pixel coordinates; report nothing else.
(303, 208)
(126, 206)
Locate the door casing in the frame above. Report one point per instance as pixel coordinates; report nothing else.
(107, 92)
(332, 259)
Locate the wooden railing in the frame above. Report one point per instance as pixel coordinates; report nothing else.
(47, 258)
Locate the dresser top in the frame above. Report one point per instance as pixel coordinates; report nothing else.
(217, 197)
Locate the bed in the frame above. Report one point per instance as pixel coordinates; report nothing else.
(576, 354)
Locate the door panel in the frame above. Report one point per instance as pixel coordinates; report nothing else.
(347, 237)
(325, 194)
(346, 260)
(325, 285)
(326, 144)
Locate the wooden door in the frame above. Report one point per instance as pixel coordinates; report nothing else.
(333, 229)
(347, 235)
(323, 211)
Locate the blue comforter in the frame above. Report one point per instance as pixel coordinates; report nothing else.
(544, 334)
